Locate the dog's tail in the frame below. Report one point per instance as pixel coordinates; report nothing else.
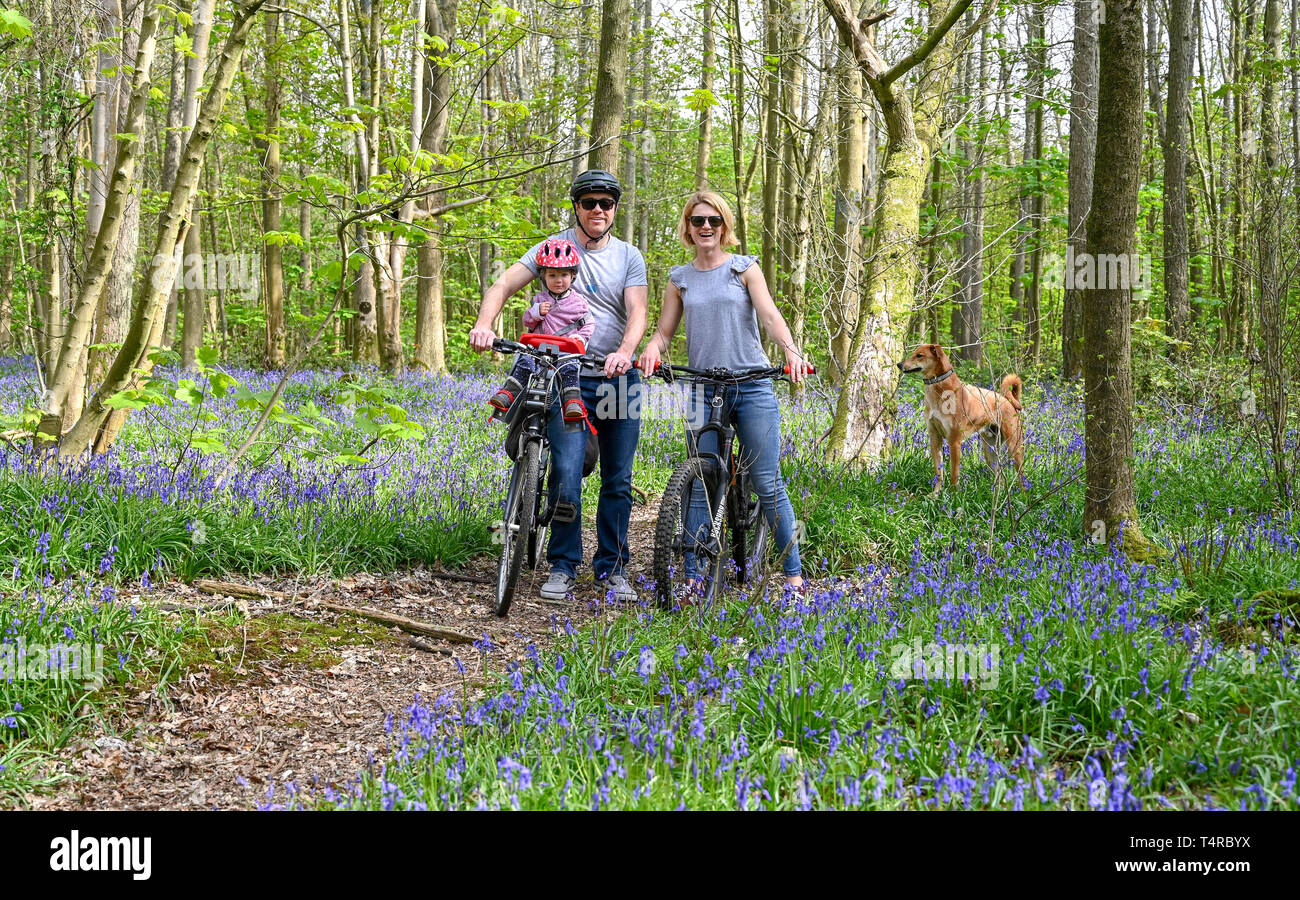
(1011, 386)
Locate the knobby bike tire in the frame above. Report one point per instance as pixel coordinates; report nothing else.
(537, 534)
(521, 504)
(749, 531)
(669, 556)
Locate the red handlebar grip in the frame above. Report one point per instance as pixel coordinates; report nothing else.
(812, 370)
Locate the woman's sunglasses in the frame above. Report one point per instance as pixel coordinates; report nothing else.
(590, 203)
(698, 221)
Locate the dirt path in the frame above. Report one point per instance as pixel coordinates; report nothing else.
(305, 697)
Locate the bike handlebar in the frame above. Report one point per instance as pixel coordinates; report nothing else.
(724, 376)
(501, 345)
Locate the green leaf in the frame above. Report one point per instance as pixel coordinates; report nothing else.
(15, 24)
(208, 444)
(126, 400)
(188, 394)
(207, 355)
(129, 137)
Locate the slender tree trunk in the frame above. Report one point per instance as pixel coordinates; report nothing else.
(708, 63)
(1272, 287)
(1083, 149)
(611, 85)
(132, 361)
(628, 174)
(863, 412)
(196, 302)
(850, 209)
(968, 314)
(430, 327)
(171, 161)
(1177, 297)
(580, 129)
(647, 136)
(272, 202)
(773, 38)
(1108, 377)
(70, 354)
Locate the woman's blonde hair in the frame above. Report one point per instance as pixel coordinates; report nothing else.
(712, 199)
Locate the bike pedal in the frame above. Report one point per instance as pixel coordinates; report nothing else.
(564, 513)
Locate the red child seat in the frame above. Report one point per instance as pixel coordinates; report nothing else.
(561, 343)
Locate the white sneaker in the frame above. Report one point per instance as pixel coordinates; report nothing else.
(621, 588)
(557, 586)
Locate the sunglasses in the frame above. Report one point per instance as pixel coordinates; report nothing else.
(698, 221)
(590, 203)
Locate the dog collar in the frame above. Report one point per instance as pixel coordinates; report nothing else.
(938, 378)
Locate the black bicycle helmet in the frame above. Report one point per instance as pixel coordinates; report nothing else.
(595, 181)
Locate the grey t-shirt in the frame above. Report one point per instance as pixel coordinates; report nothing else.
(721, 324)
(602, 276)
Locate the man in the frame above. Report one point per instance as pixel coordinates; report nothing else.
(612, 274)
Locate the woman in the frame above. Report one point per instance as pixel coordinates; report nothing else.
(724, 297)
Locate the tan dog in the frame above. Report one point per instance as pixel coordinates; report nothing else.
(955, 411)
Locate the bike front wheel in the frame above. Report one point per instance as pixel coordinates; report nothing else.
(517, 524)
(695, 478)
(750, 534)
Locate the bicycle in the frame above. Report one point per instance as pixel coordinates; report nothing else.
(523, 528)
(731, 500)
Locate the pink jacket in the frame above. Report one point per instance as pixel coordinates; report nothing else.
(564, 313)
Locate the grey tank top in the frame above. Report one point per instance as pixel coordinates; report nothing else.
(721, 325)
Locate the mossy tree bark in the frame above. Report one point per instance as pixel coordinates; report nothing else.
(1110, 503)
(132, 361)
(912, 118)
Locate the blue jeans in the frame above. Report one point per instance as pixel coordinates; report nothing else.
(753, 410)
(617, 434)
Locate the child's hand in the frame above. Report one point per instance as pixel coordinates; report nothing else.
(544, 307)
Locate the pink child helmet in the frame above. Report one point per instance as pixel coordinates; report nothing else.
(556, 253)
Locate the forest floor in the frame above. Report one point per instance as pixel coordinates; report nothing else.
(305, 696)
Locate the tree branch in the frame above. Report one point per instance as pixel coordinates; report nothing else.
(917, 56)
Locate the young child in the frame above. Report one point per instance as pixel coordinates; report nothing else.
(557, 309)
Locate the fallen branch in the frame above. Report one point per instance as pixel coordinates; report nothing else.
(411, 626)
(210, 586)
(393, 620)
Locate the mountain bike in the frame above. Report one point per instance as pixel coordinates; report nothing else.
(736, 528)
(524, 524)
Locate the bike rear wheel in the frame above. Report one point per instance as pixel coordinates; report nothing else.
(671, 539)
(517, 524)
(750, 534)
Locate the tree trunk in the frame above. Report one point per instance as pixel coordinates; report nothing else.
(705, 146)
(430, 322)
(647, 136)
(611, 86)
(1108, 378)
(772, 27)
(171, 161)
(1237, 320)
(1177, 298)
(968, 314)
(132, 361)
(850, 208)
(863, 414)
(272, 203)
(1083, 149)
(628, 174)
(196, 303)
(71, 352)
(1272, 286)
